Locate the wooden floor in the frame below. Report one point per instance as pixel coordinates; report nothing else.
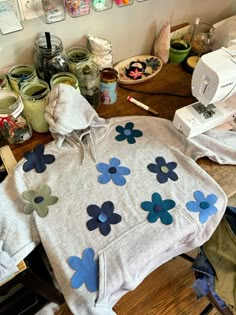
(167, 291)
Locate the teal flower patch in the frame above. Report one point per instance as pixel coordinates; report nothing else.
(86, 270)
(203, 205)
(112, 171)
(39, 201)
(128, 133)
(158, 209)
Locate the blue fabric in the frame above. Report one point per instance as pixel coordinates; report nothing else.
(203, 205)
(37, 159)
(230, 216)
(205, 283)
(163, 170)
(86, 270)
(158, 209)
(102, 217)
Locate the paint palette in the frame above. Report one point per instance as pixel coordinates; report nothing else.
(138, 69)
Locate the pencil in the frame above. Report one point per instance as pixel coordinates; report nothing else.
(147, 108)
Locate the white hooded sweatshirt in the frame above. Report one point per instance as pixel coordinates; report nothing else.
(110, 200)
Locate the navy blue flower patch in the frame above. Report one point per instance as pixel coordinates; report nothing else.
(163, 170)
(128, 133)
(203, 205)
(37, 159)
(112, 172)
(158, 209)
(86, 270)
(102, 217)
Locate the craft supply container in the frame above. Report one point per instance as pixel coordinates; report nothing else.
(35, 98)
(88, 76)
(20, 73)
(108, 85)
(13, 123)
(66, 78)
(49, 57)
(75, 55)
(4, 84)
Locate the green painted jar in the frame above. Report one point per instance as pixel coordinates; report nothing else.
(19, 74)
(75, 55)
(35, 98)
(66, 78)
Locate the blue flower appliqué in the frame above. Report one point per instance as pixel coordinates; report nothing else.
(203, 205)
(86, 270)
(112, 172)
(128, 133)
(102, 217)
(37, 159)
(163, 170)
(158, 208)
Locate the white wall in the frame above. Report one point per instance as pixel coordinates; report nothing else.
(130, 29)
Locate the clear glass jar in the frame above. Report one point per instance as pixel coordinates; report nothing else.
(75, 55)
(13, 123)
(20, 73)
(35, 98)
(4, 84)
(65, 77)
(88, 76)
(49, 57)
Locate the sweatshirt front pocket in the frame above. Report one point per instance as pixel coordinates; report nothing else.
(124, 263)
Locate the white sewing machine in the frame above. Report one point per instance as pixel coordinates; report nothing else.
(214, 85)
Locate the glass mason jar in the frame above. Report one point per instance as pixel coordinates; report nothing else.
(65, 77)
(49, 57)
(35, 98)
(13, 123)
(75, 55)
(88, 76)
(4, 84)
(20, 73)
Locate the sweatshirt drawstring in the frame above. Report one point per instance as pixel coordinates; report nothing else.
(90, 140)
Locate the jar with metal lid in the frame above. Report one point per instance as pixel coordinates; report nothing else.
(88, 76)
(20, 73)
(108, 85)
(35, 98)
(65, 77)
(49, 57)
(75, 55)
(4, 84)
(13, 123)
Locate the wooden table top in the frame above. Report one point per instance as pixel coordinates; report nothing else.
(171, 79)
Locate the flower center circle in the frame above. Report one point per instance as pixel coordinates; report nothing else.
(164, 169)
(38, 199)
(204, 205)
(112, 170)
(157, 208)
(102, 217)
(127, 132)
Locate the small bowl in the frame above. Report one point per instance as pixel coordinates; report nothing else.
(179, 50)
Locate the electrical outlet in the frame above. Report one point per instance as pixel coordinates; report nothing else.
(28, 9)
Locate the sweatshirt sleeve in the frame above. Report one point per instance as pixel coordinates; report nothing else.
(18, 233)
(219, 146)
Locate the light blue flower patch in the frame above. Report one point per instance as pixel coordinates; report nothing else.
(203, 205)
(158, 209)
(86, 270)
(112, 172)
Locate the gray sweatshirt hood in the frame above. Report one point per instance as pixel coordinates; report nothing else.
(71, 117)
